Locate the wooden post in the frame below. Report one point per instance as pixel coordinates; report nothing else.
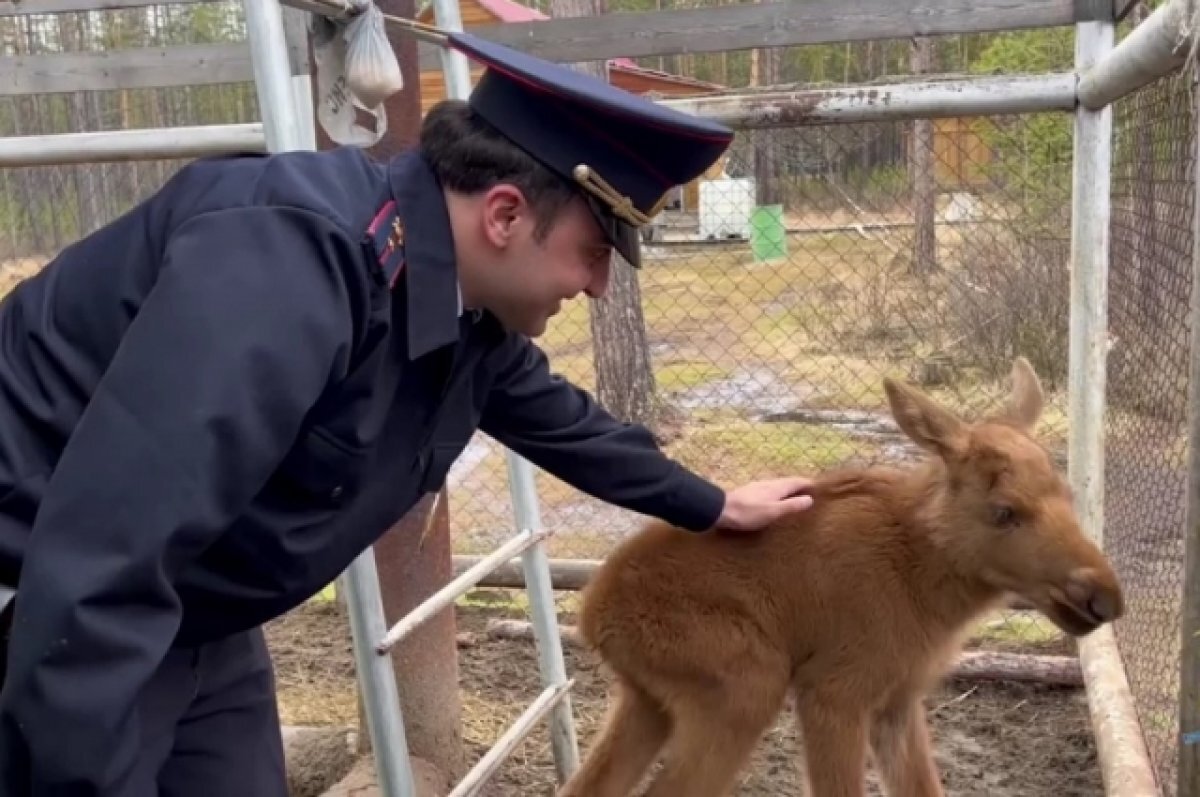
(414, 561)
(413, 558)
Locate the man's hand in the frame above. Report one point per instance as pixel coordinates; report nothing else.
(757, 504)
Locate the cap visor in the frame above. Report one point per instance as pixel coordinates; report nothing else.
(623, 236)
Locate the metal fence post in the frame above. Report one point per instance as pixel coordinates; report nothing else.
(377, 679)
(1188, 745)
(543, 616)
(1090, 212)
(273, 75)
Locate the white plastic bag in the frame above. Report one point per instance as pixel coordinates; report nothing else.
(371, 67)
(356, 71)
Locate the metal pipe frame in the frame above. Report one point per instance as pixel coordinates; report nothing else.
(273, 75)
(535, 565)
(1188, 744)
(448, 594)
(131, 145)
(550, 699)
(925, 99)
(1125, 772)
(1155, 48)
(377, 679)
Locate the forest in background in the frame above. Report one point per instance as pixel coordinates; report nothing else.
(44, 208)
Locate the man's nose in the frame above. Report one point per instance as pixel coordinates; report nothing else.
(599, 284)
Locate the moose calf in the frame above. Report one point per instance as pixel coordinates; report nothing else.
(857, 605)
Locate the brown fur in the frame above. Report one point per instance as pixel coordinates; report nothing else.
(856, 606)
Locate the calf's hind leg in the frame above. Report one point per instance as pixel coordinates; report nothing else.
(713, 734)
(633, 733)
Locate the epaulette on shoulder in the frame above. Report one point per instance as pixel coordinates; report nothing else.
(387, 237)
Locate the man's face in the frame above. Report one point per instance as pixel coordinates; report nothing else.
(533, 276)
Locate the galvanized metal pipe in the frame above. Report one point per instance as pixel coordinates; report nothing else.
(1125, 772)
(131, 145)
(1088, 327)
(550, 699)
(925, 99)
(447, 595)
(1156, 47)
(536, 567)
(455, 67)
(377, 679)
(1187, 746)
(273, 75)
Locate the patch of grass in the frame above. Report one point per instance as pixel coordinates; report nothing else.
(1020, 630)
(737, 452)
(682, 375)
(845, 382)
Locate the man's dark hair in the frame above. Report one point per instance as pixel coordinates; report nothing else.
(469, 155)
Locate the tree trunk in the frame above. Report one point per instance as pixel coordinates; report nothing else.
(625, 383)
(921, 173)
(766, 154)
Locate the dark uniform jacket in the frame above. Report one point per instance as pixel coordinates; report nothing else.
(211, 406)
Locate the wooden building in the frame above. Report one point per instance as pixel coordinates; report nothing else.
(960, 153)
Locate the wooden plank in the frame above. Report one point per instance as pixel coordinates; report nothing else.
(1094, 10)
(144, 67)
(14, 8)
(750, 25)
(566, 40)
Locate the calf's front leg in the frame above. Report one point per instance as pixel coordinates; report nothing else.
(903, 753)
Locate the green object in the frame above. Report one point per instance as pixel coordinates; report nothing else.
(768, 235)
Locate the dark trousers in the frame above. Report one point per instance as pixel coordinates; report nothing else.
(210, 725)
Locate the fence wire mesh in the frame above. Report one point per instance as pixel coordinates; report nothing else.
(1146, 477)
(775, 297)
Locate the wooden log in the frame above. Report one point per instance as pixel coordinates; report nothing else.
(974, 665)
(1124, 759)
(565, 574)
(572, 575)
(990, 665)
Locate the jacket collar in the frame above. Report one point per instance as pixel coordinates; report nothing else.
(430, 272)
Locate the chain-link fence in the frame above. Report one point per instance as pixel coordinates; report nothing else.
(775, 298)
(1146, 478)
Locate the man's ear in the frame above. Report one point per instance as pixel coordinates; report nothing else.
(503, 207)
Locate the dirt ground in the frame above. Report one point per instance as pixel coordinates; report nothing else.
(999, 740)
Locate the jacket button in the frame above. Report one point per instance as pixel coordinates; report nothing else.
(336, 493)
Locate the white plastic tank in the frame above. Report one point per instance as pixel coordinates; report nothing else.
(726, 207)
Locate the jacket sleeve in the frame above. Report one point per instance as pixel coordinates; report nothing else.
(560, 428)
(246, 325)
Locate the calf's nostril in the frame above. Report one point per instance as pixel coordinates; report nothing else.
(1103, 606)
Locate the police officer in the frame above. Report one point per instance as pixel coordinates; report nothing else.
(210, 406)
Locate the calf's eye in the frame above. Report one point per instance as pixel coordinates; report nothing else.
(1003, 515)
